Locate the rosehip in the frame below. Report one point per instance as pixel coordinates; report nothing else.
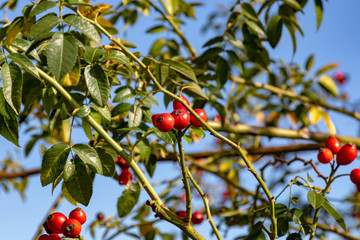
(347, 154)
(202, 115)
(153, 118)
(181, 214)
(43, 237)
(358, 187)
(125, 177)
(164, 122)
(45, 225)
(122, 163)
(54, 236)
(333, 144)
(100, 216)
(340, 77)
(325, 155)
(55, 221)
(78, 214)
(177, 105)
(197, 218)
(182, 118)
(355, 176)
(71, 228)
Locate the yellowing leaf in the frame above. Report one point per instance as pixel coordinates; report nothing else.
(315, 114)
(330, 124)
(293, 118)
(329, 85)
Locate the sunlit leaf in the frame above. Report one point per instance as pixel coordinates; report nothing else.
(84, 26)
(128, 199)
(12, 81)
(97, 84)
(335, 214)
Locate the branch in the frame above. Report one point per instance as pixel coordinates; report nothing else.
(22, 174)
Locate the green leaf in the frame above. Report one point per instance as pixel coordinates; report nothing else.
(89, 156)
(162, 72)
(84, 26)
(42, 7)
(44, 25)
(235, 60)
(326, 68)
(294, 4)
(25, 62)
(222, 70)
(167, 137)
(255, 26)
(135, 120)
(87, 129)
(107, 162)
(335, 214)
(196, 90)
(214, 40)
(183, 69)
(309, 178)
(12, 81)
(124, 94)
(282, 226)
(67, 195)
(104, 111)
(319, 12)
(97, 84)
(274, 30)
(315, 200)
(329, 85)
(150, 164)
(9, 129)
(209, 54)
(128, 200)
(4, 106)
(120, 108)
(93, 54)
(62, 54)
(78, 181)
(83, 111)
(294, 236)
(48, 99)
(120, 57)
(280, 209)
(156, 29)
(53, 162)
(24, 46)
(256, 232)
(249, 12)
(310, 62)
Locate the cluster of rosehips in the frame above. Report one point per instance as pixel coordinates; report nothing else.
(344, 154)
(57, 223)
(179, 118)
(125, 175)
(196, 218)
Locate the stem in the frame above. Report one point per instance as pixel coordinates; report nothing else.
(206, 204)
(185, 178)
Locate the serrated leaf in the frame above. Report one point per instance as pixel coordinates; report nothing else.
(128, 200)
(62, 54)
(25, 62)
(119, 57)
(335, 214)
(48, 95)
(162, 72)
(120, 108)
(249, 12)
(78, 181)
(14, 29)
(315, 200)
(310, 62)
(294, 4)
(83, 111)
(329, 85)
(124, 94)
(135, 118)
(319, 12)
(93, 54)
(107, 162)
(274, 30)
(104, 111)
(97, 84)
(4, 106)
(42, 7)
(24, 46)
(196, 90)
(67, 195)
(182, 68)
(10, 130)
(44, 25)
(12, 81)
(167, 137)
(53, 162)
(84, 26)
(89, 156)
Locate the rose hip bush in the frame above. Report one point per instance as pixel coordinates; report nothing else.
(65, 66)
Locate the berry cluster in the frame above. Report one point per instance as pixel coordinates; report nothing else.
(125, 175)
(196, 218)
(179, 118)
(344, 154)
(57, 223)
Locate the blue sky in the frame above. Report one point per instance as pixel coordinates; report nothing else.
(336, 41)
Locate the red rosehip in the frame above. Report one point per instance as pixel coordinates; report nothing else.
(122, 163)
(202, 115)
(125, 177)
(177, 105)
(197, 218)
(347, 154)
(182, 118)
(153, 118)
(325, 155)
(164, 122)
(340, 77)
(358, 187)
(333, 144)
(355, 176)
(45, 225)
(78, 214)
(71, 228)
(55, 221)
(181, 214)
(43, 237)
(54, 236)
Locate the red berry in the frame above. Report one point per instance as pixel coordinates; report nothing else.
(333, 144)
(177, 105)
(45, 225)
(100, 216)
(358, 187)
(78, 214)
(54, 236)
(182, 118)
(164, 122)
(71, 228)
(202, 115)
(355, 176)
(55, 221)
(347, 154)
(122, 163)
(197, 218)
(325, 155)
(43, 237)
(181, 214)
(153, 118)
(125, 177)
(340, 77)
